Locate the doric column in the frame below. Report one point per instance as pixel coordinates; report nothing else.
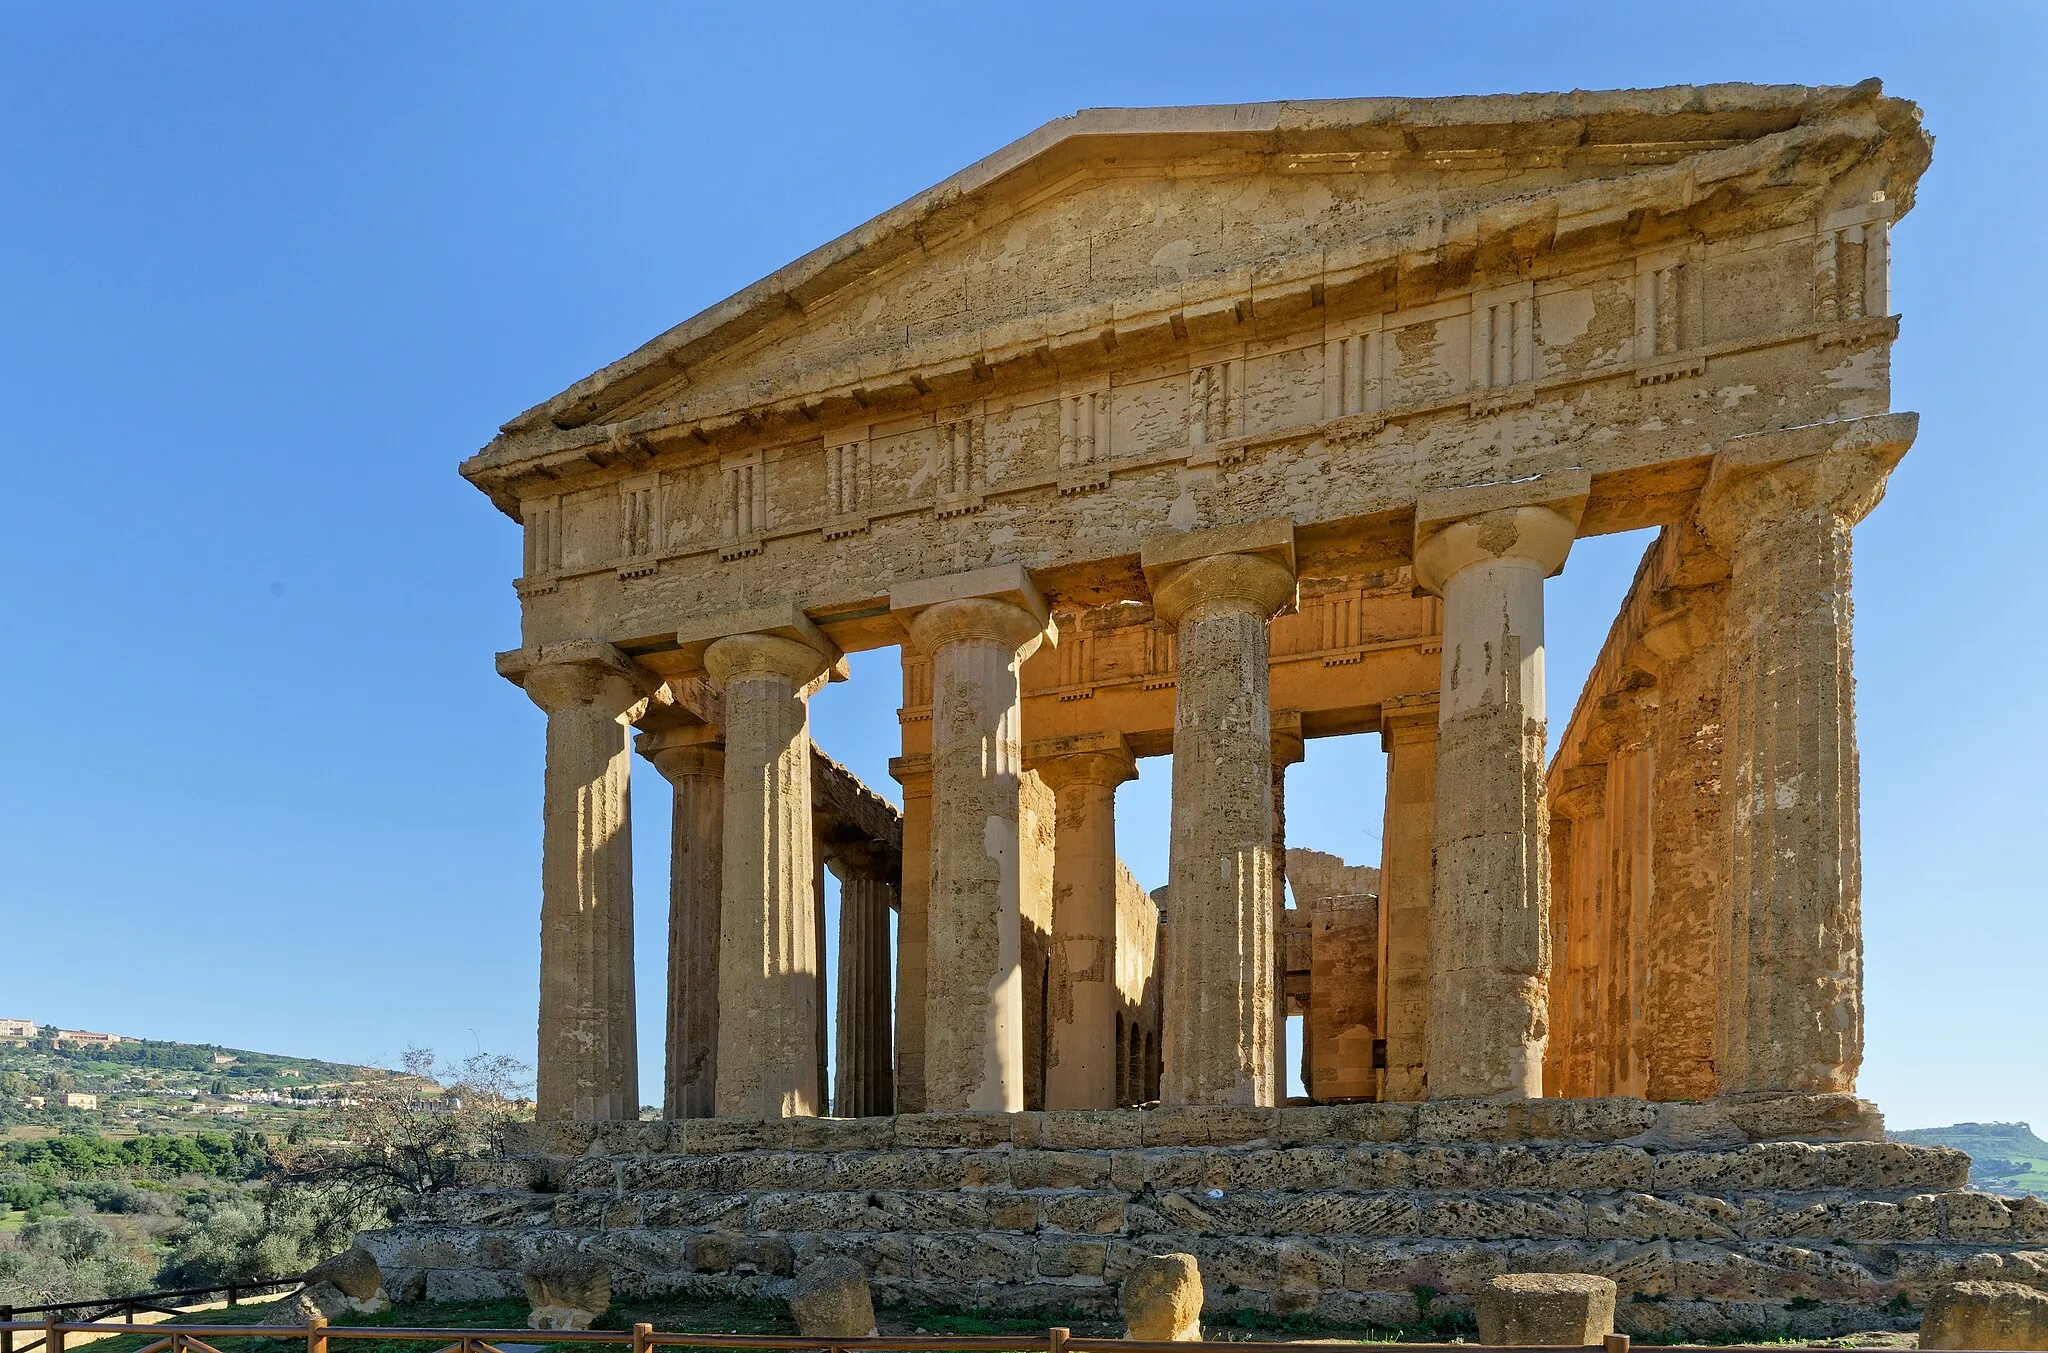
(1289, 749)
(1486, 552)
(768, 955)
(1618, 742)
(1683, 646)
(1407, 848)
(694, 765)
(1792, 1014)
(1580, 882)
(589, 1061)
(914, 774)
(1082, 1000)
(978, 628)
(861, 1073)
(1220, 1015)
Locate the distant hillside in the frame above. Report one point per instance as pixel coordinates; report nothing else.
(147, 1085)
(2004, 1157)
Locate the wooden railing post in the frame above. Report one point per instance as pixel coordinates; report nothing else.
(316, 1333)
(6, 1335)
(642, 1338)
(1614, 1343)
(53, 1335)
(1056, 1339)
(231, 1296)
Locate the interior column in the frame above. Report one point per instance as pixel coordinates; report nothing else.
(1489, 927)
(862, 1082)
(694, 766)
(768, 957)
(589, 1059)
(978, 629)
(1220, 1013)
(1407, 868)
(1083, 1000)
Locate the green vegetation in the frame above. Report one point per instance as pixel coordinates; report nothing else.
(2005, 1158)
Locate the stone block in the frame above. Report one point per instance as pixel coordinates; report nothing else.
(746, 1170)
(1611, 1120)
(971, 1258)
(694, 1209)
(918, 1169)
(1494, 1120)
(592, 1172)
(829, 1299)
(1027, 1128)
(928, 1210)
(1344, 1214)
(716, 1136)
(1064, 1257)
(1827, 1117)
(1318, 1124)
(1012, 1211)
(1602, 1167)
(1647, 1216)
(1082, 1213)
(842, 1134)
(1300, 1167)
(1452, 1167)
(819, 1210)
(631, 1138)
(1985, 1315)
(1090, 1129)
(1210, 1125)
(1059, 1169)
(1501, 1216)
(952, 1129)
(1694, 1127)
(1161, 1299)
(1379, 1168)
(468, 1284)
(567, 1293)
(1546, 1309)
(687, 1173)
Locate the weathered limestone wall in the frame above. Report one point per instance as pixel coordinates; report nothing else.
(1765, 1215)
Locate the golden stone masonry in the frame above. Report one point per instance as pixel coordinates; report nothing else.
(1205, 432)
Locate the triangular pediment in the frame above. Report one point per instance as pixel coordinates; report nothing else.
(1201, 225)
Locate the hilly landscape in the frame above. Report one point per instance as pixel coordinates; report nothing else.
(2005, 1158)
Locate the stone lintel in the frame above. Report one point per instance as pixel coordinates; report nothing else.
(784, 619)
(1272, 538)
(515, 664)
(1405, 710)
(997, 582)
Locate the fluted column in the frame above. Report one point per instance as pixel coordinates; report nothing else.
(768, 956)
(1220, 1013)
(1580, 882)
(694, 766)
(862, 1080)
(589, 1060)
(974, 996)
(1407, 851)
(1083, 1000)
(1489, 932)
(1683, 645)
(1792, 1014)
(914, 774)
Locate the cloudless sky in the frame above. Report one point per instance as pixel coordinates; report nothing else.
(268, 272)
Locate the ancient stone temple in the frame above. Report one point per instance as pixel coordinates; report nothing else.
(1197, 433)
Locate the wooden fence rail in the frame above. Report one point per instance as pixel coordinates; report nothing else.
(319, 1336)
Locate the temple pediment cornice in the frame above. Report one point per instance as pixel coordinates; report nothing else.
(1628, 173)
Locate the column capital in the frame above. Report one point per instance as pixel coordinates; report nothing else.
(579, 673)
(1085, 758)
(999, 604)
(743, 657)
(914, 773)
(1581, 793)
(1246, 568)
(1620, 719)
(1405, 715)
(1529, 519)
(782, 620)
(1840, 467)
(1677, 622)
(1290, 746)
(680, 751)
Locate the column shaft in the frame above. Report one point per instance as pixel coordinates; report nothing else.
(1686, 906)
(1407, 853)
(696, 881)
(589, 1064)
(862, 1086)
(1220, 1014)
(912, 917)
(974, 1034)
(1792, 1018)
(1489, 928)
(768, 963)
(1083, 1001)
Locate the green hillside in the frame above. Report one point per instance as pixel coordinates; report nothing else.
(2005, 1158)
(146, 1086)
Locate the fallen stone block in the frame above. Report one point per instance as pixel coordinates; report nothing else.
(567, 1294)
(1985, 1315)
(829, 1299)
(1547, 1309)
(347, 1283)
(1162, 1299)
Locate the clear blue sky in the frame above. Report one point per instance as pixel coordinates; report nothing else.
(271, 271)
